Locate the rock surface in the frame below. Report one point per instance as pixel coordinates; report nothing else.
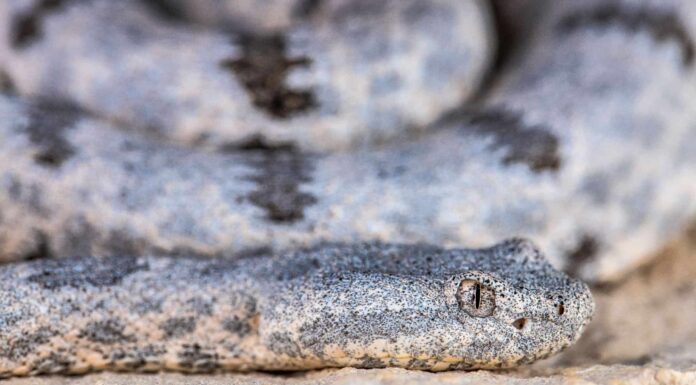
(659, 374)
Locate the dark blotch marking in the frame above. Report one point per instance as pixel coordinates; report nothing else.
(306, 8)
(281, 343)
(245, 302)
(200, 306)
(9, 319)
(152, 351)
(30, 195)
(78, 272)
(106, 332)
(533, 146)
(279, 172)
(147, 306)
(262, 70)
(258, 143)
(662, 25)
(54, 363)
(417, 364)
(178, 326)
(584, 252)
(195, 358)
(298, 268)
(25, 344)
(7, 86)
(26, 27)
(236, 325)
(372, 363)
(166, 9)
(15, 188)
(48, 120)
(386, 171)
(136, 358)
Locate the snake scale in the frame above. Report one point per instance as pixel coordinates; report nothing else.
(248, 144)
(364, 305)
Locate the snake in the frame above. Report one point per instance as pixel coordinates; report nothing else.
(297, 198)
(333, 80)
(573, 145)
(367, 305)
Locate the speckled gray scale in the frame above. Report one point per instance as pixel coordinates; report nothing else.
(363, 305)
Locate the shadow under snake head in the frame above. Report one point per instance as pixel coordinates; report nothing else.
(420, 307)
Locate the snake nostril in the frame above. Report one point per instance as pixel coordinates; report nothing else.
(561, 309)
(519, 323)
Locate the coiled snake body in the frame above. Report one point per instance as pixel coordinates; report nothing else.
(574, 146)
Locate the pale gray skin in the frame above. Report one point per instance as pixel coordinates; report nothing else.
(586, 151)
(362, 305)
(356, 73)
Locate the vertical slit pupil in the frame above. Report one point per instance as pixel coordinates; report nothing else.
(478, 295)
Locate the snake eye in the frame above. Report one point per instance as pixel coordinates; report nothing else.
(475, 299)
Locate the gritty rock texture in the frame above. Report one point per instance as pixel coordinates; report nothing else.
(359, 72)
(575, 147)
(366, 305)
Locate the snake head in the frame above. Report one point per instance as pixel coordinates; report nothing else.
(422, 307)
(506, 323)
